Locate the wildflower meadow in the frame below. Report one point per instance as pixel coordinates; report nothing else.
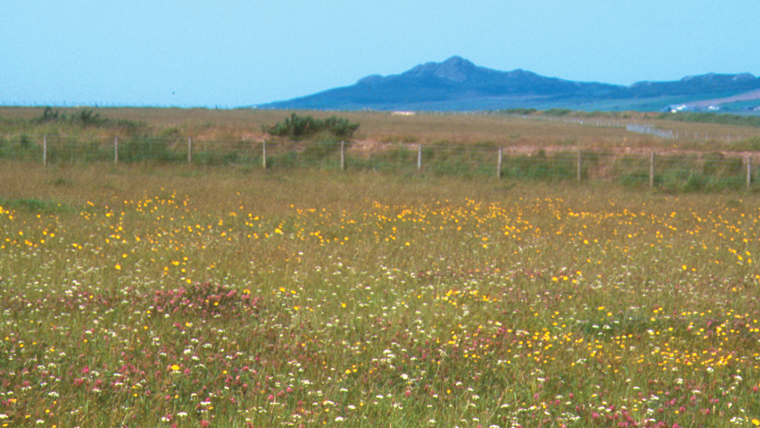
(171, 296)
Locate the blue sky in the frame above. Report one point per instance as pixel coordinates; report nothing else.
(231, 53)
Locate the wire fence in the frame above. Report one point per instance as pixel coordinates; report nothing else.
(677, 170)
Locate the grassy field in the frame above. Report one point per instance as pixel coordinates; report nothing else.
(151, 295)
(705, 157)
(384, 127)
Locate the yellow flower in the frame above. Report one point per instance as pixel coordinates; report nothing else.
(175, 367)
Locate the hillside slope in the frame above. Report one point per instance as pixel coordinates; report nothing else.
(458, 84)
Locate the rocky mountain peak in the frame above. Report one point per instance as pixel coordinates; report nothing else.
(456, 69)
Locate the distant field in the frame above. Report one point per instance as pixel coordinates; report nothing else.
(246, 125)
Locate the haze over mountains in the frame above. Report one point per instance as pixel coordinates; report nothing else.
(459, 85)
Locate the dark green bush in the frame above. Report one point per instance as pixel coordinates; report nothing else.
(25, 141)
(521, 111)
(84, 118)
(557, 112)
(297, 127)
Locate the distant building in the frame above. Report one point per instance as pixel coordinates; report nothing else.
(685, 108)
(673, 108)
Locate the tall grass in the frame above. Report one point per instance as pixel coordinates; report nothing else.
(204, 296)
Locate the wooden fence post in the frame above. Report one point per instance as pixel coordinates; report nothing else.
(190, 150)
(651, 169)
(419, 156)
(44, 150)
(342, 156)
(264, 154)
(116, 150)
(749, 171)
(579, 165)
(498, 166)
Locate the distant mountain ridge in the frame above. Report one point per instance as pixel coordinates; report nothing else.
(458, 84)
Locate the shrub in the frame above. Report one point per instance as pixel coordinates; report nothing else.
(84, 118)
(25, 141)
(298, 127)
(48, 116)
(521, 111)
(557, 112)
(87, 117)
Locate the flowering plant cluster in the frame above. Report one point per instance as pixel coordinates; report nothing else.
(205, 299)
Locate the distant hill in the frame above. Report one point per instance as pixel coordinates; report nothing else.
(458, 84)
